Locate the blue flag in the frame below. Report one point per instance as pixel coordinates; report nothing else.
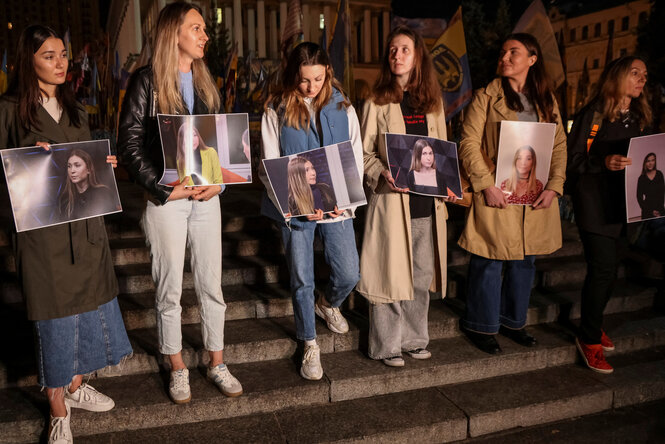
(340, 58)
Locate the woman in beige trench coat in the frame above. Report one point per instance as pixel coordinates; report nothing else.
(402, 256)
(498, 234)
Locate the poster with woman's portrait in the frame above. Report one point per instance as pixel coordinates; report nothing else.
(71, 181)
(523, 161)
(209, 149)
(320, 179)
(424, 165)
(645, 185)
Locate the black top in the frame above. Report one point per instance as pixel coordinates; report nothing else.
(416, 124)
(598, 193)
(651, 195)
(439, 190)
(94, 201)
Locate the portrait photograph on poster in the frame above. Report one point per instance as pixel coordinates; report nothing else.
(645, 185)
(424, 165)
(322, 178)
(210, 149)
(71, 181)
(523, 160)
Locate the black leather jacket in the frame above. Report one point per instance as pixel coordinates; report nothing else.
(139, 145)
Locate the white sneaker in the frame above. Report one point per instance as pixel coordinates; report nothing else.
(394, 361)
(419, 353)
(59, 430)
(311, 363)
(225, 381)
(332, 316)
(179, 386)
(87, 398)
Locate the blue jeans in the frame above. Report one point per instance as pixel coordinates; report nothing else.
(339, 248)
(491, 303)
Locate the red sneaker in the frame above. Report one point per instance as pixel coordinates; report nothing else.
(593, 357)
(606, 342)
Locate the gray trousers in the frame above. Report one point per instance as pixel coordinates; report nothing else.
(402, 326)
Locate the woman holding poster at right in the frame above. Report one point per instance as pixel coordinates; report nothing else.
(597, 146)
(499, 235)
(404, 243)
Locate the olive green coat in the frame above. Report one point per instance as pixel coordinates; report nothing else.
(64, 269)
(386, 262)
(509, 233)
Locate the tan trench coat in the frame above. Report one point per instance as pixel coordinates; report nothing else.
(386, 264)
(510, 233)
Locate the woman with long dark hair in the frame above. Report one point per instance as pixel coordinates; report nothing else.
(66, 270)
(404, 243)
(177, 81)
(309, 110)
(598, 142)
(651, 189)
(504, 239)
(83, 195)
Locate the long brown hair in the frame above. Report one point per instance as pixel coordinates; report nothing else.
(424, 90)
(69, 193)
(644, 163)
(165, 63)
(24, 85)
(288, 97)
(301, 199)
(538, 87)
(511, 182)
(610, 90)
(418, 147)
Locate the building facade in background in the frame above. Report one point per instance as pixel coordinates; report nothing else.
(586, 37)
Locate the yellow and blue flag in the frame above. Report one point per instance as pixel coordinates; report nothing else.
(3, 73)
(451, 64)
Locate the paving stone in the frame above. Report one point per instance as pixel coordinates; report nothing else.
(529, 399)
(415, 416)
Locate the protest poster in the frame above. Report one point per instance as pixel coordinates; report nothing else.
(210, 149)
(323, 178)
(645, 185)
(69, 182)
(523, 160)
(425, 165)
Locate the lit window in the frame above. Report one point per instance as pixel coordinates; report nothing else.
(219, 15)
(322, 21)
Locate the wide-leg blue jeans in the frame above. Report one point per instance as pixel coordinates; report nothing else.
(490, 302)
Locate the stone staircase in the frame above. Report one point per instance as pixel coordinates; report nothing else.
(459, 394)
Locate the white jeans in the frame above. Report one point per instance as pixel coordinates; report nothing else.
(169, 228)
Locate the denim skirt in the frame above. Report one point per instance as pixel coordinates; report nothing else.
(80, 344)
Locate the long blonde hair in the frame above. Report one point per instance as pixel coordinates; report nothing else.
(165, 64)
(511, 183)
(301, 199)
(187, 129)
(287, 95)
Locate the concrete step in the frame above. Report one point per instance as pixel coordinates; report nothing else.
(433, 414)
(259, 326)
(455, 360)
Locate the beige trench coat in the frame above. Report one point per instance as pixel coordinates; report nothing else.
(386, 264)
(510, 233)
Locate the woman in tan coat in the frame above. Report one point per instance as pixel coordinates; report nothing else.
(404, 243)
(498, 234)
